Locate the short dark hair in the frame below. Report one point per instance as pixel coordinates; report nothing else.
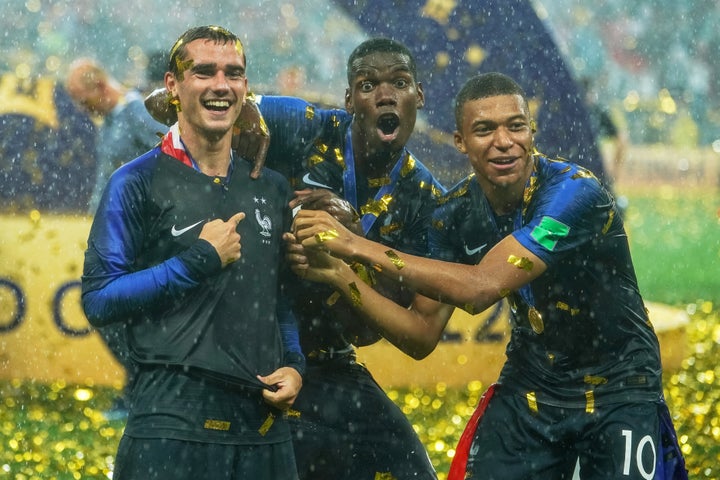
(486, 85)
(379, 45)
(210, 32)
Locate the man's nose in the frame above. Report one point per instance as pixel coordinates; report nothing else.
(386, 94)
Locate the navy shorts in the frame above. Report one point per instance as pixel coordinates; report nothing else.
(348, 428)
(516, 441)
(161, 459)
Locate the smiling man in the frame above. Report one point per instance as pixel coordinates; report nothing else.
(199, 286)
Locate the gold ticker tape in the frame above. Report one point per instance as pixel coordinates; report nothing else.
(397, 261)
(354, 294)
(321, 237)
(267, 424)
(521, 262)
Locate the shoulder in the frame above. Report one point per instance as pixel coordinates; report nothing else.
(277, 104)
(421, 171)
(558, 171)
(461, 192)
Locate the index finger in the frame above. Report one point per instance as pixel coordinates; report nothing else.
(237, 218)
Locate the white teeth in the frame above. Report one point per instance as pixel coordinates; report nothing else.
(218, 103)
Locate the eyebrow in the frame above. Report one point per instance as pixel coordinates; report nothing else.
(213, 66)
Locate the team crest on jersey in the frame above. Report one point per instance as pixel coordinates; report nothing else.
(264, 221)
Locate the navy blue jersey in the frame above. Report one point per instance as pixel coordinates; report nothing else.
(395, 210)
(146, 266)
(596, 342)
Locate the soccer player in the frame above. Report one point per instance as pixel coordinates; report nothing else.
(186, 249)
(356, 160)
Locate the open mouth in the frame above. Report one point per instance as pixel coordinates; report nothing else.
(217, 105)
(388, 124)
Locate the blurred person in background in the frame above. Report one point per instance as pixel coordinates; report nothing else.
(126, 130)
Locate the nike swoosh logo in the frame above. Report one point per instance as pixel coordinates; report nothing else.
(176, 233)
(474, 250)
(306, 180)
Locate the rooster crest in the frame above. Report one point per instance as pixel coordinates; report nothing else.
(264, 222)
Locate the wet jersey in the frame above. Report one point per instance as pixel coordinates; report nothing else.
(395, 210)
(145, 265)
(580, 332)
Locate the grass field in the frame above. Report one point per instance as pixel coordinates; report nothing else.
(57, 431)
(675, 239)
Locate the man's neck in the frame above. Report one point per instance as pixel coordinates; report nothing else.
(503, 200)
(373, 164)
(212, 155)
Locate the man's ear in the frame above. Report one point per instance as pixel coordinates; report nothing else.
(348, 102)
(459, 142)
(421, 96)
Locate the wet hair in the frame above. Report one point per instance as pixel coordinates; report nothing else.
(486, 85)
(214, 33)
(379, 45)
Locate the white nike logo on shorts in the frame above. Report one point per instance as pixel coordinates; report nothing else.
(474, 250)
(306, 180)
(176, 233)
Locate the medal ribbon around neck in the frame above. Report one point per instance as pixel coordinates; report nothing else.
(350, 182)
(525, 292)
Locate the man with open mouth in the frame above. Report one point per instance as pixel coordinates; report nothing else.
(357, 167)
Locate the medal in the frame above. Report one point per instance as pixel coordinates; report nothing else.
(536, 321)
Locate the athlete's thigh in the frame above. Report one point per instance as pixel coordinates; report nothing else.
(623, 443)
(514, 442)
(159, 459)
(347, 427)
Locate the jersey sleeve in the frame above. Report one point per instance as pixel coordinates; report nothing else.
(294, 126)
(573, 209)
(112, 289)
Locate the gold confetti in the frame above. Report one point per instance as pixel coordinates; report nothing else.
(408, 166)
(532, 402)
(589, 401)
(376, 207)
(593, 380)
(265, 427)
(332, 299)
(378, 182)
(310, 112)
(211, 424)
(354, 294)
(321, 237)
(397, 261)
(521, 262)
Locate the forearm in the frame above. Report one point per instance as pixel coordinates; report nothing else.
(130, 293)
(452, 283)
(136, 292)
(410, 331)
